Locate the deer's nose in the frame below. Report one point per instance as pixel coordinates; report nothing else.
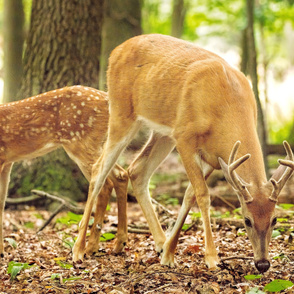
(262, 265)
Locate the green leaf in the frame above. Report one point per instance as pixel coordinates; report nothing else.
(107, 237)
(278, 285)
(15, 271)
(15, 267)
(11, 242)
(70, 218)
(282, 220)
(38, 216)
(55, 276)
(286, 205)
(29, 225)
(195, 215)
(185, 227)
(64, 264)
(252, 277)
(281, 256)
(275, 233)
(71, 279)
(255, 290)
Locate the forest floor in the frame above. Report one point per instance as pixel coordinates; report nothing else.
(42, 263)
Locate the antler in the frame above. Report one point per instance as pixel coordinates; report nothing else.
(232, 177)
(289, 163)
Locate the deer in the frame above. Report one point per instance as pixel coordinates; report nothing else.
(73, 118)
(193, 100)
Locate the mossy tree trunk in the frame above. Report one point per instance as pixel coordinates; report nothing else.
(62, 49)
(13, 29)
(251, 68)
(122, 20)
(178, 17)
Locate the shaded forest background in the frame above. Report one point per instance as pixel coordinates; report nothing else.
(49, 44)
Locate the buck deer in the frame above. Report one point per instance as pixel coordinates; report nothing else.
(75, 118)
(194, 101)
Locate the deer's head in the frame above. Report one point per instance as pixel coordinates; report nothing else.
(258, 202)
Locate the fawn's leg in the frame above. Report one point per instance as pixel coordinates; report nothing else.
(117, 140)
(120, 180)
(4, 181)
(101, 204)
(140, 171)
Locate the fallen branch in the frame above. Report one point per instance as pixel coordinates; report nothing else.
(236, 257)
(22, 199)
(48, 221)
(162, 207)
(73, 208)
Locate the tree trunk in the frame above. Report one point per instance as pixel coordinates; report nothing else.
(178, 17)
(63, 45)
(122, 20)
(13, 45)
(252, 70)
(62, 49)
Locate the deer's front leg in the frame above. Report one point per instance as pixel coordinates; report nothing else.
(4, 181)
(103, 198)
(170, 245)
(196, 173)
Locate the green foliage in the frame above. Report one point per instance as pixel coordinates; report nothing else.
(252, 277)
(278, 285)
(70, 218)
(14, 268)
(276, 233)
(286, 206)
(61, 263)
(281, 256)
(185, 227)
(11, 242)
(29, 225)
(57, 277)
(107, 237)
(167, 199)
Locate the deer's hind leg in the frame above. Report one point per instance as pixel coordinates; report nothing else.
(140, 172)
(120, 180)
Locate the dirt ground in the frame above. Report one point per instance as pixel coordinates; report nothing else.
(137, 269)
(47, 264)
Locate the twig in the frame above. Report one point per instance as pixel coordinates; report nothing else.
(225, 201)
(64, 204)
(22, 199)
(164, 286)
(67, 204)
(162, 207)
(235, 257)
(47, 222)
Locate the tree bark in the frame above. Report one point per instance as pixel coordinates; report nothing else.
(62, 49)
(63, 45)
(178, 17)
(13, 28)
(122, 20)
(252, 70)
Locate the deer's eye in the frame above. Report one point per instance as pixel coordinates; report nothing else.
(274, 222)
(248, 222)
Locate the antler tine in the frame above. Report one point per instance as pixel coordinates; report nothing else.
(289, 162)
(238, 183)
